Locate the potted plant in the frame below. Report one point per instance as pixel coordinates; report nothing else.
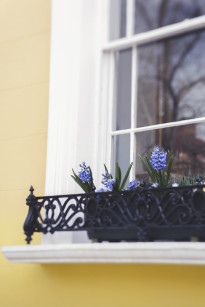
(161, 208)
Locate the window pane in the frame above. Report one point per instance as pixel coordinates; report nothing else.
(123, 94)
(152, 14)
(186, 142)
(171, 80)
(123, 152)
(117, 19)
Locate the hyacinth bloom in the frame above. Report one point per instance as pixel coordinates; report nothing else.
(84, 173)
(133, 185)
(102, 190)
(158, 159)
(85, 179)
(158, 166)
(108, 181)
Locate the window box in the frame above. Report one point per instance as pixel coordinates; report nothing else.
(167, 214)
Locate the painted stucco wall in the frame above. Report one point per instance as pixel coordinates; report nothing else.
(24, 81)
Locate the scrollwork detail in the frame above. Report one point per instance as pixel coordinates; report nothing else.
(136, 213)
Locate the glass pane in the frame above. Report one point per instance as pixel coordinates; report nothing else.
(186, 142)
(117, 19)
(152, 14)
(123, 89)
(123, 152)
(171, 80)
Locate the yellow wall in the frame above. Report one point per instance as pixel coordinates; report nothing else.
(24, 71)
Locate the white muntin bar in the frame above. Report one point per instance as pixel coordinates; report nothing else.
(133, 112)
(110, 110)
(160, 126)
(130, 18)
(157, 34)
(102, 120)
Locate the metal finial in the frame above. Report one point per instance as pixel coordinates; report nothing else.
(31, 189)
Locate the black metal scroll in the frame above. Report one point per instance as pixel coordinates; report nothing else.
(173, 213)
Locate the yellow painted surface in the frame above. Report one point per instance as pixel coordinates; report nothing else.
(23, 107)
(24, 80)
(24, 61)
(102, 285)
(23, 18)
(24, 84)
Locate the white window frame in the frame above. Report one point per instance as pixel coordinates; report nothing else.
(64, 148)
(133, 41)
(76, 121)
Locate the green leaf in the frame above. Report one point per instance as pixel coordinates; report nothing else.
(155, 174)
(74, 173)
(118, 176)
(106, 168)
(126, 176)
(147, 169)
(169, 167)
(91, 180)
(77, 179)
(163, 178)
(160, 179)
(84, 185)
(80, 183)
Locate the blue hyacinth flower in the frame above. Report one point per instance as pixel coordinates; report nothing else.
(158, 159)
(84, 173)
(108, 181)
(133, 185)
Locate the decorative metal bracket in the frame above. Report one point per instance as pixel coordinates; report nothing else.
(31, 223)
(173, 213)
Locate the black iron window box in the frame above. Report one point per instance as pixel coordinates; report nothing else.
(146, 214)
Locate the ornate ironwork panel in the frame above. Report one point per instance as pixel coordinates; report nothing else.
(173, 213)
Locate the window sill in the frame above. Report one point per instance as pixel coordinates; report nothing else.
(192, 253)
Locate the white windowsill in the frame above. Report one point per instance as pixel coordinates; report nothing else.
(149, 252)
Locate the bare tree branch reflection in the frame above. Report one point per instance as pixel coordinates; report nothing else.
(171, 84)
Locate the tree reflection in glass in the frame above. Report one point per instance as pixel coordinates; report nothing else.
(187, 142)
(152, 14)
(171, 80)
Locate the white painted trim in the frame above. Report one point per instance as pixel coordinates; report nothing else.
(130, 17)
(160, 126)
(102, 120)
(133, 112)
(79, 29)
(157, 34)
(192, 253)
(111, 112)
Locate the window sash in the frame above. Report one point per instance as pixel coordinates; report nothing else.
(185, 26)
(159, 126)
(133, 41)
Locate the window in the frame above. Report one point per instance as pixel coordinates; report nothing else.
(88, 117)
(157, 78)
